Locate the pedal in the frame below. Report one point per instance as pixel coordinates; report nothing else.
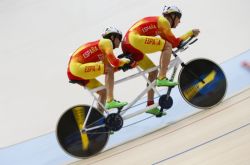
(161, 114)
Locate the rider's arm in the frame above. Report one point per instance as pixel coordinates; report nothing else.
(187, 35)
(166, 33)
(107, 48)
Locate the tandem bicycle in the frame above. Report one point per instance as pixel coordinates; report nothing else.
(83, 131)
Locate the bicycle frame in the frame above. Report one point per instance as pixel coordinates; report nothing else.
(151, 85)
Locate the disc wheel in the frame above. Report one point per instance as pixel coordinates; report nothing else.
(202, 83)
(77, 141)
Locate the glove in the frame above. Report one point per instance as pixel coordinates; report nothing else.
(196, 32)
(123, 61)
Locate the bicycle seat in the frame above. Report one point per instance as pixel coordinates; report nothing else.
(124, 55)
(79, 82)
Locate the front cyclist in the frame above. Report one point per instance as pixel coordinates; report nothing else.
(97, 58)
(142, 38)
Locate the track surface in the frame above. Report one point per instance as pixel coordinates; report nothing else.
(216, 136)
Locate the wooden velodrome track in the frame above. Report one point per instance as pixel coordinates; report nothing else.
(216, 136)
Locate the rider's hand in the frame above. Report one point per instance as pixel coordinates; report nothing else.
(133, 64)
(123, 61)
(196, 32)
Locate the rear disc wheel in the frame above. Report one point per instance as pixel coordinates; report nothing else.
(78, 141)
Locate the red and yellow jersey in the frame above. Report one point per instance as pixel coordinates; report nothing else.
(95, 51)
(157, 25)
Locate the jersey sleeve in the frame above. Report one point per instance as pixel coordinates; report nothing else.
(186, 36)
(166, 33)
(165, 28)
(107, 49)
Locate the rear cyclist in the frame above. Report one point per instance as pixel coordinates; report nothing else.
(97, 58)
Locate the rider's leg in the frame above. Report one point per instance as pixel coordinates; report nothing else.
(138, 46)
(101, 99)
(151, 77)
(109, 83)
(87, 73)
(94, 83)
(149, 44)
(165, 59)
(164, 62)
(144, 64)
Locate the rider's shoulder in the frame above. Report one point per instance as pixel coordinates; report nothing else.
(105, 42)
(151, 18)
(162, 20)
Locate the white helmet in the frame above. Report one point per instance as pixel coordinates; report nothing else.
(112, 31)
(172, 9)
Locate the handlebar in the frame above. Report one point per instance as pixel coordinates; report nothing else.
(184, 44)
(128, 66)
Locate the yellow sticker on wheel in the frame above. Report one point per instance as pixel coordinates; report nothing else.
(190, 92)
(79, 114)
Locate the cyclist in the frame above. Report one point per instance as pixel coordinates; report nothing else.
(97, 58)
(142, 38)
